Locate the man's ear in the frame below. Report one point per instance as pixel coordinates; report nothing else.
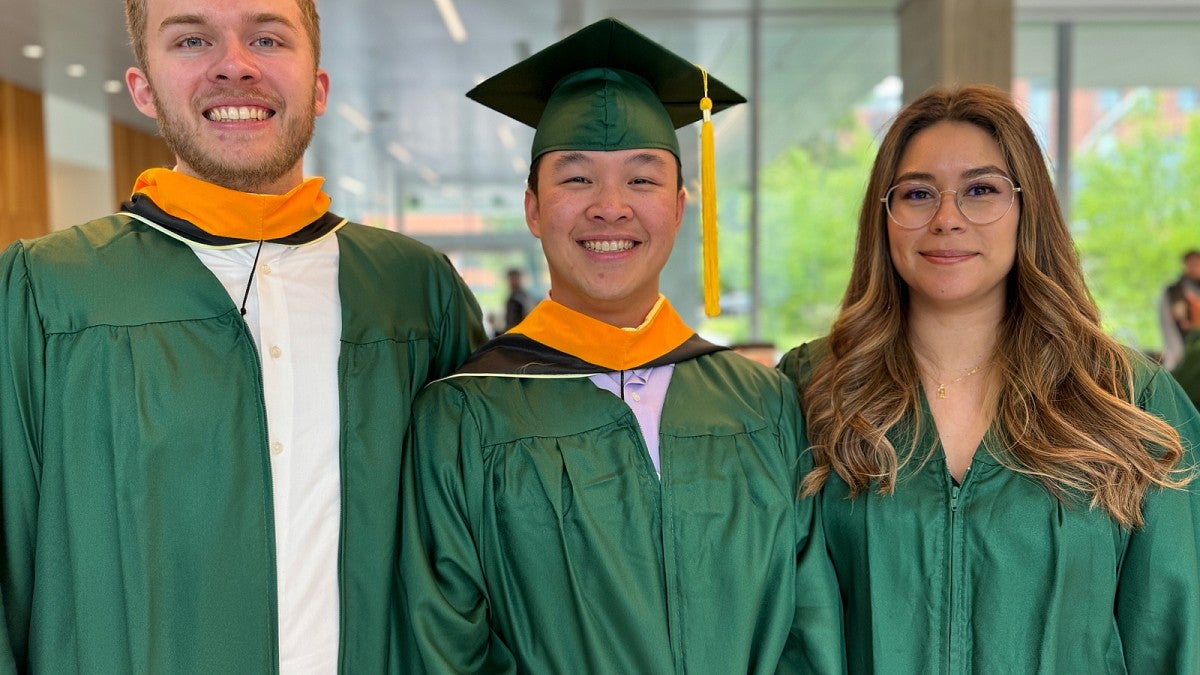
(680, 200)
(139, 90)
(322, 92)
(532, 216)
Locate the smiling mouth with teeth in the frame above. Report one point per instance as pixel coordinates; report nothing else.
(608, 246)
(235, 113)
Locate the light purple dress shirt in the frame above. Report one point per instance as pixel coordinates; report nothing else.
(645, 389)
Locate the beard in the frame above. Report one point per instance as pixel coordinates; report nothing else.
(246, 174)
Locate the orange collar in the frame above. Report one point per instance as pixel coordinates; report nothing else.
(230, 213)
(603, 344)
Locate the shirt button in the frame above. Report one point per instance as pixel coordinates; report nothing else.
(277, 448)
(276, 352)
(265, 269)
(637, 397)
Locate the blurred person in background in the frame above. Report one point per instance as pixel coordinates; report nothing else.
(1187, 371)
(1173, 309)
(518, 303)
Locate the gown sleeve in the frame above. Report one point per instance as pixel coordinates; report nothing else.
(22, 390)
(461, 327)
(797, 364)
(816, 643)
(1158, 589)
(445, 627)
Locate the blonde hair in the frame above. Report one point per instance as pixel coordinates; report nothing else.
(1065, 410)
(135, 24)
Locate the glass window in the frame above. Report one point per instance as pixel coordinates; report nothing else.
(1134, 157)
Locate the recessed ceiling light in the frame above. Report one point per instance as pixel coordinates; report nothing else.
(400, 152)
(889, 87)
(76, 70)
(33, 51)
(113, 86)
(352, 185)
(453, 21)
(354, 117)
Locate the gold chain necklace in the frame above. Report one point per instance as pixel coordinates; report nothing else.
(941, 388)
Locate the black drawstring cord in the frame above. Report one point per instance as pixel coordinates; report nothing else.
(250, 281)
(622, 385)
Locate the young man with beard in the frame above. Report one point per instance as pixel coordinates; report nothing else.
(203, 397)
(600, 490)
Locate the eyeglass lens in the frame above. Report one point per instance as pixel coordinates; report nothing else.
(981, 200)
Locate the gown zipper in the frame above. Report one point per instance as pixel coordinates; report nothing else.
(954, 656)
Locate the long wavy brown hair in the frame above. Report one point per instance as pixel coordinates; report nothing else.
(1065, 410)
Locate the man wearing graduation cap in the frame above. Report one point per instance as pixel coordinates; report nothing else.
(599, 489)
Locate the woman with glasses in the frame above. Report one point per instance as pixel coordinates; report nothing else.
(1004, 488)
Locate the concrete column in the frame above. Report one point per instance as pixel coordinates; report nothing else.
(955, 42)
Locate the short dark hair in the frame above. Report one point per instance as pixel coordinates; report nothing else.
(1194, 253)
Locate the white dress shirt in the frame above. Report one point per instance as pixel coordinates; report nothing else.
(294, 313)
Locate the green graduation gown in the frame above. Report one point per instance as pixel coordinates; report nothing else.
(135, 481)
(538, 539)
(997, 576)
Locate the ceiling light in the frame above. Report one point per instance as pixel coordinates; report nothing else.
(400, 152)
(33, 51)
(889, 87)
(520, 166)
(430, 176)
(352, 185)
(354, 117)
(454, 24)
(113, 86)
(76, 70)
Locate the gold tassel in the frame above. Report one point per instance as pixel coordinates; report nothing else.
(708, 207)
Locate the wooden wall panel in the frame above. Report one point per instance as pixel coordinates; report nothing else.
(135, 151)
(24, 199)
